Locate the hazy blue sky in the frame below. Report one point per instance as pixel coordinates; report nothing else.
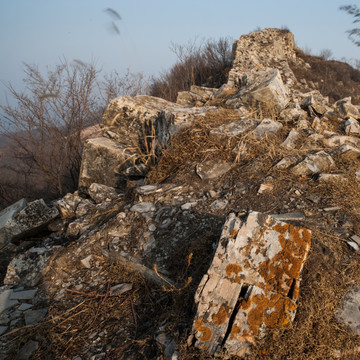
(42, 31)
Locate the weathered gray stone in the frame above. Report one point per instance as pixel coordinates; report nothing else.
(252, 284)
(23, 295)
(338, 140)
(349, 314)
(286, 162)
(30, 219)
(76, 228)
(86, 261)
(265, 188)
(349, 152)
(267, 127)
(11, 211)
(314, 164)
(25, 306)
(143, 207)
(5, 301)
(27, 350)
(346, 109)
(235, 128)
(291, 140)
(356, 238)
(148, 189)
(212, 169)
(34, 316)
(196, 95)
(264, 89)
(135, 117)
(292, 114)
(72, 205)
(100, 193)
(188, 205)
(219, 204)
(314, 103)
(119, 289)
(3, 329)
(103, 162)
(352, 127)
(27, 268)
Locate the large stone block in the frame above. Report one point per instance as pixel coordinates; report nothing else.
(314, 164)
(263, 88)
(103, 160)
(252, 284)
(141, 119)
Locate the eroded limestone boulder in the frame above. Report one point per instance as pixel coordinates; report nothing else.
(346, 109)
(352, 126)
(252, 284)
(104, 161)
(235, 128)
(140, 117)
(266, 128)
(314, 164)
(33, 217)
(263, 88)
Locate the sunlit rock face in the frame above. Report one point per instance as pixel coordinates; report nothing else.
(252, 284)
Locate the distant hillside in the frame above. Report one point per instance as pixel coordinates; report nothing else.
(332, 78)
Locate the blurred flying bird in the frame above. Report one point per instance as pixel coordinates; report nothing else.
(115, 15)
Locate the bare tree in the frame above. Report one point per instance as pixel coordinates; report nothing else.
(44, 126)
(354, 11)
(46, 123)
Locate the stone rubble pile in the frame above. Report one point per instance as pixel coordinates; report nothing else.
(252, 285)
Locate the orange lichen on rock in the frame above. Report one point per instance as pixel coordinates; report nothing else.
(232, 269)
(221, 316)
(233, 233)
(205, 330)
(260, 272)
(235, 330)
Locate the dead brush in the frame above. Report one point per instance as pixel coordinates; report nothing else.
(195, 144)
(264, 110)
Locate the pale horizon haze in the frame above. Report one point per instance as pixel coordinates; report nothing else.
(40, 32)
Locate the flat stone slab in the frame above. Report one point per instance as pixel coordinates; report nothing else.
(235, 128)
(252, 284)
(143, 207)
(349, 314)
(31, 218)
(11, 211)
(35, 316)
(23, 295)
(265, 128)
(314, 164)
(5, 300)
(212, 169)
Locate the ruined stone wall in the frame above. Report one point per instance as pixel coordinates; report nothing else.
(263, 49)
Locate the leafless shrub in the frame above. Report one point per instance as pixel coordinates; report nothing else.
(326, 54)
(45, 126)
(206, 64)
(130, 84)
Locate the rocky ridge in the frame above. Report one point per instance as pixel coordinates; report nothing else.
(217, 226)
